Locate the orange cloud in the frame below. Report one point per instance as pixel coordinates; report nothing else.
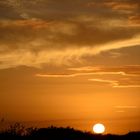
(130, 70)
(78, 74)
(121, 6)
(115, 84)
(110, 82)
(135, 20)
(47, 37)
(126, 107)
(32, 23)
(25, 55)
(116, 77)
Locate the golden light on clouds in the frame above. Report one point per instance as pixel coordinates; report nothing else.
(28, 57)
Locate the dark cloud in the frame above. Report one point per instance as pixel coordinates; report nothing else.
(44, 25)
(64, 9)
(135, 20)
(75, 33)
(7, 12)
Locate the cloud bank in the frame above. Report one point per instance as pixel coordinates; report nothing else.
(36, 33)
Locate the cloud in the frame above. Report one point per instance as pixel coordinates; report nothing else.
(19, 8)
(116, 77)
(110, 82)
(127, 86)
(52, 9)
(135, 20)
(127, 70)
(115, 84)
(126, 107)
(123, 108)
(122, 5)
(41, 32)
(78, 74)
(118, 13)
(25, 54)
(104, 82)
(87, 68)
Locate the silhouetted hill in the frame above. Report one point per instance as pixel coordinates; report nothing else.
(53, 133)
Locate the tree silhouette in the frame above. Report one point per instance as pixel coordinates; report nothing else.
(19, 132)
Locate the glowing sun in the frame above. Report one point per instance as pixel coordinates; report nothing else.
(99, 128)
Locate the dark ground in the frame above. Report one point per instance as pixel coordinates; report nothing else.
(18, 132)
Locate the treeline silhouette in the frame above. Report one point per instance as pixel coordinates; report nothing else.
(19, 132)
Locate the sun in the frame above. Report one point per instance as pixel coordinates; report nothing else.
(98, 128)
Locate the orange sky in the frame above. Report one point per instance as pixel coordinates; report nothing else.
(71, 63)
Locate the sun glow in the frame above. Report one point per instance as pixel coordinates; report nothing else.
(99, 128)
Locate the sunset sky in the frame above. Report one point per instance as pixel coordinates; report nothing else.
(71, 63)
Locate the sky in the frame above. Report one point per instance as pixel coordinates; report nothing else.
(71, 63)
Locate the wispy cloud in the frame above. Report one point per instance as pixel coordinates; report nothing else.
(56, 76)
(121, 5)
(115, 84)
(127, 70)
(127, 86)
(126, 107)
(79, 74)
(116, 77)
(87, 68)
(66, 56)
(110, 82)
